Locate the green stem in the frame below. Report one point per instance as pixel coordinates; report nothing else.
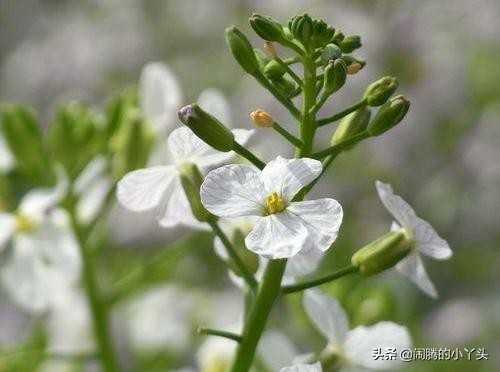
(308, 123)
(341, 114)
(257, 318)
(321, 280)
(338, 148)
(247, 154)
(247, 275)
(98, 308)
(219, 333)
(287, 135)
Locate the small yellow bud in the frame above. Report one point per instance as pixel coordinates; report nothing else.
(354, 68)
(261, 118)
(270, 49)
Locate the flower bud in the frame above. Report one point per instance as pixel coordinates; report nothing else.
(267, 28)
(242, 50)
(261, 118)
(383, 253)
(286, 86)
(351, 125)
(338, 37)
(334, 76)
(191, 180)
(207, 127)
(379, 92)
(350, 43)
(301, 27)
(329, 53)
(322, 33)
(262, 58)
(274, 70)
(389, 115)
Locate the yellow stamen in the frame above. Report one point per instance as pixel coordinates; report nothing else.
(261, 118)
(25, 224)
(274, 204)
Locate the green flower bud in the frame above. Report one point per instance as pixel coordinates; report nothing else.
(24, 139)
(329, 53)
(191, 180)
(379, 92)
(274, 70)
(242, 50)
(262, 58)
(334, 76)
(250, 259)
(389, 115)
(301, 27)
(351, 60)
(322, 33)
(352, 124)
(207, 127)
(350, 43)
(338, 37)
(267, 28)
(383, 253)
(117, 110)
(286, 86)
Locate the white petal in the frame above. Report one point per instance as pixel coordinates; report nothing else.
(397, 207)
(327, 315)
(288, 176)
(144, 189)
(276, 350)
(413, 267)
(302, 263)
(7, 227)
(233, 191)
(159, 95)
(303, 368)
(93, 199)
(322, 218)
(90, 173)
(36, 202)
(429, 242)
(6, 158)
(214, 102)
(362, 340)
(280, 235)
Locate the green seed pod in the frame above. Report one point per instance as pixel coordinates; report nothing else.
(334, 76)
(350, 43)
(383, 253)
(352, 124)
(242, 50)
(379, 92)
(274, 70)
(207, 127)
(389, 115)
(267, 28)
(191, 180)
(330, 52)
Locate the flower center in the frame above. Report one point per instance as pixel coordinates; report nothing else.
(24, 224)
(216, 364)
(274, 204)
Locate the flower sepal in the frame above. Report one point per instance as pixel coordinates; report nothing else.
(191, 180)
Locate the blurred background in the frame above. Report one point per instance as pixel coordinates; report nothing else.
(443, 159)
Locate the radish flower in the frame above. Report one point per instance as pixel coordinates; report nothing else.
(284, 228)
(303, 368)
(425, 239)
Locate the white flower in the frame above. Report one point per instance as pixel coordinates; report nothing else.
(303, 368)
(159, 188)
(284, 228)
(425, 239)
(42, 252)
(354, 348)
(215, 354)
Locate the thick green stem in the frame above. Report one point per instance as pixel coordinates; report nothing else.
(308, 124)
(259, 312)
(341, 114)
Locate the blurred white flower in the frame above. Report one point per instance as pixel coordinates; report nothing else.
(43, 254)
(425, 239)
(6, 158)
(215, 354)
(284, 228)
(276, 350)
(159, 187)
(303, 368)
(354, 348)
(214, 102)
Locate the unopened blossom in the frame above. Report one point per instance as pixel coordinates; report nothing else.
(352, 350)
(316, 367)
(284, 227)
(43, 253)
(424, 238)
(159, 187)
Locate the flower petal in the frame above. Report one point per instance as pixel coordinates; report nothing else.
(301, 264)
(93, 199)
(159, 95)
(233, 191)
(327, 315)
(429, 242)
(280, 235)
(288, 176)
(276, 350)
(7, 228)
(215, 103)
(322, 218)
(316, 367)
(397, 207)
(413, 267)
(362, 340)
(144, 189)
